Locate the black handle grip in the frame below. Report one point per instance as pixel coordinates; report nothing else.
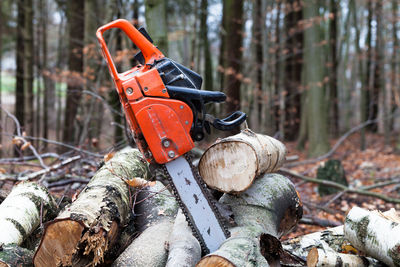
(230, 122)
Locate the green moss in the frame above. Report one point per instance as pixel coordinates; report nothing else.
(333, 171)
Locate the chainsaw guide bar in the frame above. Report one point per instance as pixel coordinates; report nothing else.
(197, 203)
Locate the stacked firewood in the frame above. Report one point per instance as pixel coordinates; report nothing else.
(121, 218)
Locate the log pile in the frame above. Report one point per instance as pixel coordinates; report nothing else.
(122, 219)
(367, 238)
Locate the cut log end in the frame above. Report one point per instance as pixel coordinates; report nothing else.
(229, 174)
(232, 164)
(59, 243)
(214, 261)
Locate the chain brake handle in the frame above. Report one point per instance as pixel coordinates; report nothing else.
(150, 52)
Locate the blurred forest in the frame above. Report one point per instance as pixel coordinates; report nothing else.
(303, 70)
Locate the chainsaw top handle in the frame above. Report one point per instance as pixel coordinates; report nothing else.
(149, 51)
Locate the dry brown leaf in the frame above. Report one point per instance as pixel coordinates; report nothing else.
(25, 146)
(139, 182)
(109, 156)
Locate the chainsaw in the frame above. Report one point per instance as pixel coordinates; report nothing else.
(165, 110)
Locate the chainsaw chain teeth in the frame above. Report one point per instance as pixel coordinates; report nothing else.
(207, 195)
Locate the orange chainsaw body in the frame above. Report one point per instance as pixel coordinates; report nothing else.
(160, 125)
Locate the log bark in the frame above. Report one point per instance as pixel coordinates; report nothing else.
(375, 234)
(184, 249)
(13, 255)
(270, 206)
(231, 164)
(23, 210)
(156, 215)
(86, 229)
(301, 246)
(320, 257)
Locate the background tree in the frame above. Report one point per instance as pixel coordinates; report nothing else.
(76, 24)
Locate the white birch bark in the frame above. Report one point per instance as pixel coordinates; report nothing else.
(20, 212)
(375, 234)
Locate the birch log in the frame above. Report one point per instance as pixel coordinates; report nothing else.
(22, 211)
(326, 258)
(231, 164)
(375, 234)
(156, 213)
(85, 230)
(184, 249)
(270, 206)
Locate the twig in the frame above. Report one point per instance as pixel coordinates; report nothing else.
(338, 195)
(317, 221)
(22, 138)
(51, 168)
(340, 186)
(69, 181)
(65, 145)
(27, 158)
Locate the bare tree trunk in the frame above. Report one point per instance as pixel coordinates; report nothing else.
(48, 96)
(233, 42)
(156, 21)
(383, 105)
(293, 69)
(258, 55)
(76, 22)
(20, 71)
(29, 62)
(333, 68)
(208, 71)
(313, 80)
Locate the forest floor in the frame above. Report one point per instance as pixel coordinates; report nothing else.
(374, 165)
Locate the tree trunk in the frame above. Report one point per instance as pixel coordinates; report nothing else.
(232, 164)
(29, 62)
(333, 68)
(27, 206)
(384, 105)
(156, 21)
(156, 213)
(258, 57)
(233, 47)
(293, 69)
(76, 23)
(208, 71)
(86, 230)
(313, 80)
(270, 206)
(20, 71)
(49, 94)
(375, 234)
